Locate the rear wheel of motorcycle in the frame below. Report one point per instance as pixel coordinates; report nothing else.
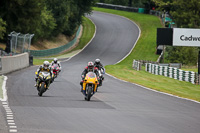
(89, 93)
(42, 89)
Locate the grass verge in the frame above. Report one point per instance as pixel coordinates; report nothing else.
(145, 50)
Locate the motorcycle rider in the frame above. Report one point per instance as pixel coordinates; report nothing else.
(89, 68)
(45, 67)
(100, 67)
(55, 61)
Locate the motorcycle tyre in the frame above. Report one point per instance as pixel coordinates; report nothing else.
(41, 90)
(89, 94)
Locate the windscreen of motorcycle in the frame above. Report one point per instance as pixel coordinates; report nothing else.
(45, 74)
(91, 74)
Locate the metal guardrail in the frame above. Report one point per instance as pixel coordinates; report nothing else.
(53, 51)
(117, 7)
(129, 9)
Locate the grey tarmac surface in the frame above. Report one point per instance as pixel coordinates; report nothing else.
(118, 107)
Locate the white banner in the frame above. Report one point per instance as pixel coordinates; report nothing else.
(186, 37)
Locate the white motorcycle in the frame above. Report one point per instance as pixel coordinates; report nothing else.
(101, 78)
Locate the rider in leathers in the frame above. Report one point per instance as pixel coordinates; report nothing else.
(100, 67)
(55, 61)
(90, 68)
(45, 67)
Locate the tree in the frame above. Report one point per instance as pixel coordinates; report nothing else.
(185, 55)
(22, 16)
(186, 14)
(2, 28)
(47, 25)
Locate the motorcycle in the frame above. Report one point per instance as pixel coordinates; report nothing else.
(89, 85)
(101, 78)
(56, 70)
(43, 78)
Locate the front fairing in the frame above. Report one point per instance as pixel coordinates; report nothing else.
(44, 76)
(90, 79)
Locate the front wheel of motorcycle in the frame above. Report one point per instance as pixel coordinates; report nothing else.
(89, 93)
(41, 89)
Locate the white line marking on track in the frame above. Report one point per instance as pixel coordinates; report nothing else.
(11, 123)
(13, 126)
(9, 113)
(9, 118)
(12, 130)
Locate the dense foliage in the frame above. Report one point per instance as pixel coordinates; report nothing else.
(44, 18)
(186, 14)
(184, 55)
(2, 28)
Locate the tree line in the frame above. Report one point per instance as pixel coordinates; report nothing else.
(44, 18)
(185, 14)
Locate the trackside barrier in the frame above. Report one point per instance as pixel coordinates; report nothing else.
(53, 51)
(129, 9)
(13, 63)
(172, 72)
(136, 65)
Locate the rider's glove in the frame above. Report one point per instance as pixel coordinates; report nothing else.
(37, 75)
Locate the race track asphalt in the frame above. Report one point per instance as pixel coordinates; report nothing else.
(118, 107)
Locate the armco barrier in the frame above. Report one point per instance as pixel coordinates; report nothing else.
(13, 63)
(53, 51)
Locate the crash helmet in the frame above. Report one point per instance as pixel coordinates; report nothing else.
(55, 60)
(46, 64)
(90, 66)
(97, 61)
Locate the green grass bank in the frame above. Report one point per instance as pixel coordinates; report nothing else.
(87, 34)
(145, 50)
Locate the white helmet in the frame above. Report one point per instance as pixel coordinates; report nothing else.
(97, 61)
(90, 66)
(46, 64)
(55, 60)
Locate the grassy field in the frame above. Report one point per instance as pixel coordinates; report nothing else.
(145, 50)
(87, 34)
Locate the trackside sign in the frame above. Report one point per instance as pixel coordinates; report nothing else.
(186, 37)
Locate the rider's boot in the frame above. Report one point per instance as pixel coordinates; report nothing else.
(48, 84)
(35, 85)
(81, 83)
(84, 92)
